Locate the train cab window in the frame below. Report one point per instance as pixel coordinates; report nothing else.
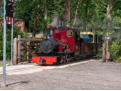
(90, 38)
(87, 37)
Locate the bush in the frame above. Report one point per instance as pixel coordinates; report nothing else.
(8, 49)
(115, 50)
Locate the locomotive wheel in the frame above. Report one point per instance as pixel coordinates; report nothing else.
(61, 60)
(67, 60)
(64, 60)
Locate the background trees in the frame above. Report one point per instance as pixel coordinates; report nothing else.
(98, 16)
(1, 9)
(89, 15)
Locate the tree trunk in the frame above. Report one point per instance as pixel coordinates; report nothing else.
(109, 26)
(86, 16)
(37, 14)
(76, 12)
(109, 15)
(84, 25)
(35, 24)
(66, 16)
(46, 11)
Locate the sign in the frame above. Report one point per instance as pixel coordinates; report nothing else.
(107, 38)
(10, 8)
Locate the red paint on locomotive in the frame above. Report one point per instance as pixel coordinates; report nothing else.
(46, 60)
(63, 37)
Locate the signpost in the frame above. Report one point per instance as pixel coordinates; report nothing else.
(12, 42)
(8, 13)
(10, 5)
(4, 48)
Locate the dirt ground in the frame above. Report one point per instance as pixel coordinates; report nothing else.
(88, 75)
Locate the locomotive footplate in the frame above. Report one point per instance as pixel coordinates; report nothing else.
(52, 58)
(46, 60)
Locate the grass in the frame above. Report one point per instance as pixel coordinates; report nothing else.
(7, 62)
(0, 64)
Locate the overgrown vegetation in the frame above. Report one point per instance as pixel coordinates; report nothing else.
(8, 50)
(115, 49)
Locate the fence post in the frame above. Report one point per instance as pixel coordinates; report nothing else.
(28, 52)
(15, 52)
(19, 50)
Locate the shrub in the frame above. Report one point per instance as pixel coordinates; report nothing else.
(115, 50)
(8, 43)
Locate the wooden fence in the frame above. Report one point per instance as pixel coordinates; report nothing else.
(24, 48)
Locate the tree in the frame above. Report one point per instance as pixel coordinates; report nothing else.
(108, 6)
(76, 12)
(67, 13)
(24, 11)
(36, 14)
(1, 8)
(91, 13)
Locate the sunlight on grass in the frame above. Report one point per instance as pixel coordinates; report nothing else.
(1, 64)
(7, 62)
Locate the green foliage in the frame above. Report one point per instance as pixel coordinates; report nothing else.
(1, 8)
(116, 50)
(28, 11)
(99, 54)
(24, 10)
(93, 12)
(8, 49)
(55, 7)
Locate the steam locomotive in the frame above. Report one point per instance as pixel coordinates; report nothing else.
(63, 44)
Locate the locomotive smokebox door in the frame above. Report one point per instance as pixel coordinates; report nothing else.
(70, 33)
(47, 46)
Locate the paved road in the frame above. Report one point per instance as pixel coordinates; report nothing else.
(93, 75)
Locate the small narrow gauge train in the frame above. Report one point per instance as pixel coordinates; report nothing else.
(62, 44)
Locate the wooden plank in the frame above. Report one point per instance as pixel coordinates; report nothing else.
(104, 52)
(15, 52)
(28, 52)
(19, 50)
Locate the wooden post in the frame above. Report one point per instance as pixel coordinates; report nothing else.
(104, 52)
(19, 50)
(28, 52)
(107, 51)
(15, 52)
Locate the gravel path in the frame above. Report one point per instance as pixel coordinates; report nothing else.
(93, 75)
